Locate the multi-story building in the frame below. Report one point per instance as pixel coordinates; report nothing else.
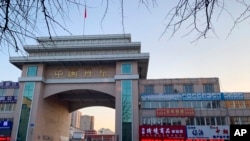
(8, 100)
(75, 123)
(193, 108)
(87, 123)
(76, 119)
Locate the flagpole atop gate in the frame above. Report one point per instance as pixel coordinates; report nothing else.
(85, 16)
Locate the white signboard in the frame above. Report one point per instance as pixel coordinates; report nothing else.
(202, 96)
(233, 96)
(193, 96)
(160, 97)
(208, 132)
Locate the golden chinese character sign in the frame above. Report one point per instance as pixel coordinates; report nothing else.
(72, 73)
(80, 72)
(58, 73)
(174, 112)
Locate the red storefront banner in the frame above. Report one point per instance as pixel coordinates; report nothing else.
(4, 138)
(162, 132)
(175, 112)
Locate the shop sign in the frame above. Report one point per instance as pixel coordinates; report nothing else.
(86, 72)
(202, 96)
(175, 112)
(193, 96)
(2, 138)
(8, 99)
(233, 96)
(208, 132)
(162, 132)
(8, 85)
(160, 97)
(5, 130)
(5, 124)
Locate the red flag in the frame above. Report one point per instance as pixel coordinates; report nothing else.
(85, 12)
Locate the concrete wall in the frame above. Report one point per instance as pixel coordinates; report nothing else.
(52, 119)
(178, 84)
(135, 104)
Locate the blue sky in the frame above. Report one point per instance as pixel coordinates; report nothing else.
(176, 57)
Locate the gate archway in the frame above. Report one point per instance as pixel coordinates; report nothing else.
(72, 72)
(86, 98)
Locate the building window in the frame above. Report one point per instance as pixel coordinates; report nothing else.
(196, 104)
(210, 104)
(208, 121)
(221, 120)
(146, 105)
(239, 104)
(208, 88)
(155, 105)
(213, 120)
(229, 104)
(127, 100)
(163, 104)
(2, 107)
(168, 89)
(176, 121)
(161, 121)
(146, 121)
(15, 92)
(2, 92)
(32, 71)
(235, 104)
(206, 104)
(245, 120)
(126, 68)
(215, 104)
(29, 89)
(188, 88)
(247, 103)
(200, 121)
(166, 121)
(156, 121)
(187, 104)
(149, 89)
(235, 120)
(190, 121)
(173, 104)
(7, 107)
(126, 104)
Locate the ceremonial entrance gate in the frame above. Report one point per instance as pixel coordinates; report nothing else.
(73, 72)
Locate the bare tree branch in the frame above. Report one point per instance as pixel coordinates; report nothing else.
(19, 19)
(243, 16)
(199, 11)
